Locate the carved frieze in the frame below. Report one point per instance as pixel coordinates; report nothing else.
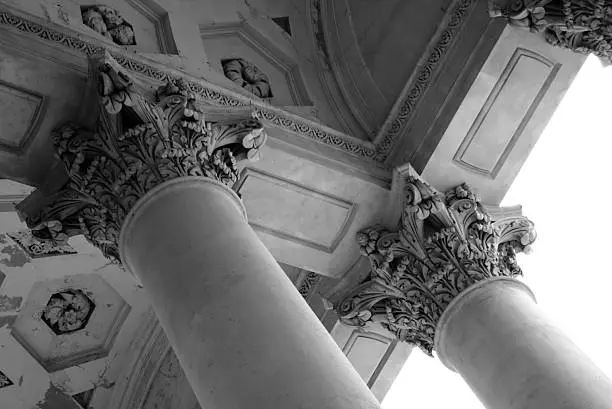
(68, 311)
(108, 22)
(140, 141)
(444, 244)
(373, 152)
(248, 76)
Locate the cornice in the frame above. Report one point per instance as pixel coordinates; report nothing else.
(203, 90)
(377, 152)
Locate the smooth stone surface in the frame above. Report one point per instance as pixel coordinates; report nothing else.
(242, 332)
(496, 337)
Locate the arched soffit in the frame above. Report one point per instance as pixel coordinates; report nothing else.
(372, 59)
(392, 43)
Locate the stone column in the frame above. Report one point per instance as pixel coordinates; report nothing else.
(445, 280)
(495, 336)
(151, 187)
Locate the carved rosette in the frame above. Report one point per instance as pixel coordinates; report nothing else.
(444, 244)
(141, 140)
(248, 76)
(108, 22)
(68, 311)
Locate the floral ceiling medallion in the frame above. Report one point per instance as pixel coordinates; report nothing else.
(108, 22)
(248, 76)
(68, 311)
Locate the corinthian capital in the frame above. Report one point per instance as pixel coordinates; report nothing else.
(142, 139)
(444, 244)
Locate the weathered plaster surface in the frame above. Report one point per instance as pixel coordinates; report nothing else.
(16, 256)
(6, 321)
(8, 303)
(56, 399)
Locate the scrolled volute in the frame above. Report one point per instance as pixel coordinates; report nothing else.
(444, 244)
(141, 140)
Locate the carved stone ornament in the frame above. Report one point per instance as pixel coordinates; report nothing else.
(4, 380)
(579, 25)
(108, 22)
(308, 284)
(248, 76)
(45, 240)
(141, 140)
(67, 311)
(444, 244)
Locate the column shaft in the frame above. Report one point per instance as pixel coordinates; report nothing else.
(243, 334)
(497, 338)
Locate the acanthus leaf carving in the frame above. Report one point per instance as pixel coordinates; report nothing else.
(582, 26)
(139, 142)
(444, 244)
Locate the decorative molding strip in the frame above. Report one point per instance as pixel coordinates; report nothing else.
(404, 108)
(395, 124)
(307, 283)
(220, 97)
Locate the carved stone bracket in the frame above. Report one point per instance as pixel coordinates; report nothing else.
(142, 139)
(445, 243)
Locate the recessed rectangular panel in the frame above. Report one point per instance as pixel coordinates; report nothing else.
(295, 212)
(20, 116)
(506, 112)
(366, 351)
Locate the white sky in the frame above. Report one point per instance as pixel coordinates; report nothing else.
(564, 188)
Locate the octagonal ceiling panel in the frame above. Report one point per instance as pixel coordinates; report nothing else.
(69, 321)
(148, 19)
(223, 42)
